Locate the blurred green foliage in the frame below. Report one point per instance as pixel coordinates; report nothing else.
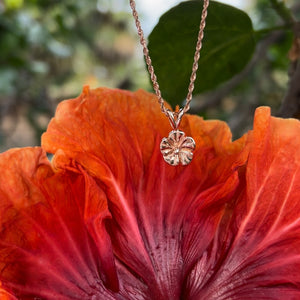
(50, 49)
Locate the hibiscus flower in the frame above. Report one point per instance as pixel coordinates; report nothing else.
(108, 218)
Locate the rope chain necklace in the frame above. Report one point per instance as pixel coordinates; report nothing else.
(176, 148)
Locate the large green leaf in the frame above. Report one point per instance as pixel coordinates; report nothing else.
(227, 47)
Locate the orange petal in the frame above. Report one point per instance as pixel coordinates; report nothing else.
(50, 231)
(139, 228)
(102, 126)
(256, 254)
(111, 131)
(115, 136)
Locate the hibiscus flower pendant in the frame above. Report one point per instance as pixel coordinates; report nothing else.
(177, 148)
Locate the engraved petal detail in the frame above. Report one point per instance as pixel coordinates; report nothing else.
(177, 148)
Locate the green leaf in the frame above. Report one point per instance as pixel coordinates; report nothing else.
(228, 45)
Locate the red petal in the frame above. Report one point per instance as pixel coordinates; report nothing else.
(5, 295)
(212, 230)
(45, 249)
(257, 254)
(155, 230)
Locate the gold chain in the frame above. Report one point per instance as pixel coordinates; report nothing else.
(174, 117)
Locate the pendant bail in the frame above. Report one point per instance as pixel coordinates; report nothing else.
(175, 117)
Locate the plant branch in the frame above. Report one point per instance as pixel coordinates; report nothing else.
(285, 14)
(264, 31)
(290, 106)
(212, 99)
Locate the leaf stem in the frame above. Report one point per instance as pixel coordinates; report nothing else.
(282, 10)
(264, 31)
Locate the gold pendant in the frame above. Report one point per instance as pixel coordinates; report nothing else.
(177, 149)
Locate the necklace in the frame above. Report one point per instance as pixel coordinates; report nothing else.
(176, 148)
